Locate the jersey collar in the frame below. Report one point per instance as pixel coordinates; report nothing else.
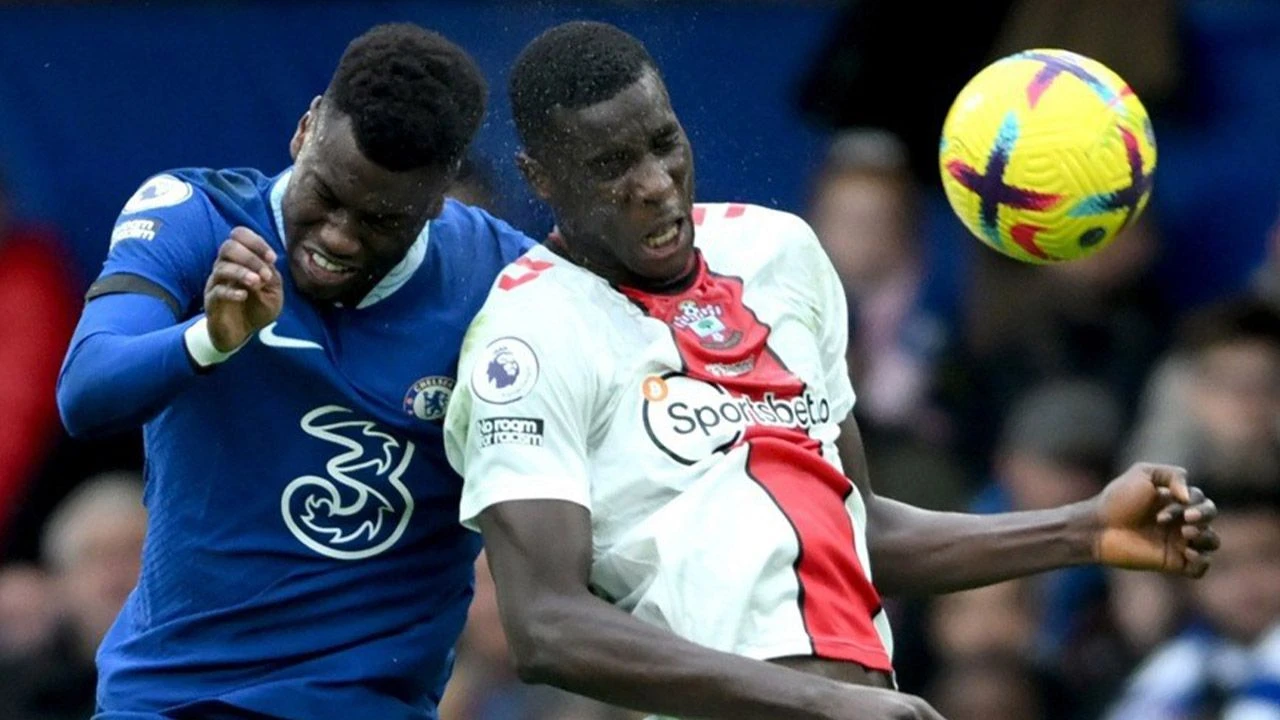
(394, 280)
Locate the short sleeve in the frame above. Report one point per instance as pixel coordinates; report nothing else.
(518, 425)
(826, 296)
(165, 234)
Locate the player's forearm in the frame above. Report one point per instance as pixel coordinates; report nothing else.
(918, 552)
(593, 649)
(126, 361)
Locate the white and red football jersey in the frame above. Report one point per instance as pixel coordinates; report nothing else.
(698, 428)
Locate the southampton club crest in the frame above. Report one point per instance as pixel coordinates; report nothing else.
(428, 398)
(704, 322)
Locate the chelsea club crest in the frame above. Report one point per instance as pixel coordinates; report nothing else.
(428, 398)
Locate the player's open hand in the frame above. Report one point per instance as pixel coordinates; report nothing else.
(1151, 519)
(869, 703)
(244, 292)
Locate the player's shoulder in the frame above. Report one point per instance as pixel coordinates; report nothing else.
(541, 276)
(740, 234)
(194, 207)
(471, 225)
(738, 222)
(196, 197)
(540, 289)
(181, 187)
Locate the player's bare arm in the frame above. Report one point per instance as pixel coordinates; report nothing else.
(244, 292)
(540, 554)
(1149, 518)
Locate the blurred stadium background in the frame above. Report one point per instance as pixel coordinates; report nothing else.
(984, 385)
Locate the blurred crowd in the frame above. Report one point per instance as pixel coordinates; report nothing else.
(984, 386)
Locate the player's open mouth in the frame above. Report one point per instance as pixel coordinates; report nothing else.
(328, 264)
(668, 242)
(661, 239)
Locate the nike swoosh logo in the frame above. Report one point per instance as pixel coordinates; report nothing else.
(269, 337)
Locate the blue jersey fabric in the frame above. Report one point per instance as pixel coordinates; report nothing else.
(303, 558)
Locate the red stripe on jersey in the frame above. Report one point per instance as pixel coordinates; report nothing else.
(699, 214)
(532, 268)
(837, 602)
(722, 341)
(735, 210)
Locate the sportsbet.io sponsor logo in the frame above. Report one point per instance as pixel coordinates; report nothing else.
(690, 419)
(509, 431)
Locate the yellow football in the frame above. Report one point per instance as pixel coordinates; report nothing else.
(1046, 155)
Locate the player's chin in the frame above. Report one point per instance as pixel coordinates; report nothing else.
(665, 270)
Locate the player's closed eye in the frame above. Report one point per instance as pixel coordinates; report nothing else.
(383, 223)
(666, 142)
(325, 196)
(611, 167)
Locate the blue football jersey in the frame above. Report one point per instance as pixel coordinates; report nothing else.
(304, 557)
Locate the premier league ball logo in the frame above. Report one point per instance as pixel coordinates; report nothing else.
(505, 371)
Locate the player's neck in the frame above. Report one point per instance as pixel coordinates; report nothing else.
(670, 286)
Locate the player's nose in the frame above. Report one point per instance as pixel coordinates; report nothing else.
(653, 182)
(336, 238)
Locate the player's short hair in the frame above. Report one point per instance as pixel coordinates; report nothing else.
(415, 99)
(571, 66)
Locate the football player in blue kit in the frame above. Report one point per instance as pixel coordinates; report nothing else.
(288, 344)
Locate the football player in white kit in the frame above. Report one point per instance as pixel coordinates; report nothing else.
(653, 421)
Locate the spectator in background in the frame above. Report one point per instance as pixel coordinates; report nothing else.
(864, 210)
(27, 612)
(92, 546)
(1059, 445)
(994, 621)
(1266, 279)
(1226, 665)
(1214, 404)
(38, 306)
(989, 688)
(1096, 318)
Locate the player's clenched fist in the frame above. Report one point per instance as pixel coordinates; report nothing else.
(1150, 518)
(244, 292)
(876, 704)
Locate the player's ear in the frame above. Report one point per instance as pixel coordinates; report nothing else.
(305, 124)
(535, 175)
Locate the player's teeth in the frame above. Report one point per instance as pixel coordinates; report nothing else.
(658, 241)
(326, 264)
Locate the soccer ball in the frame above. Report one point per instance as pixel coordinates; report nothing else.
(1046, 155)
